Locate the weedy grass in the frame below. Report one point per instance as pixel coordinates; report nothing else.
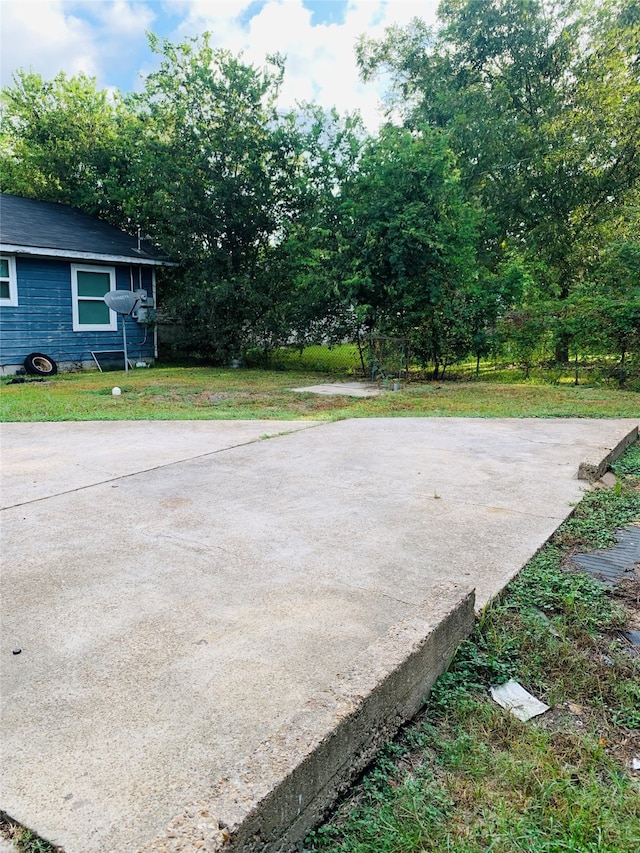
(197, 393)
(24, 840)
(466, 776)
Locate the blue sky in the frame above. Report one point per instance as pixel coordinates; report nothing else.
(106, 39)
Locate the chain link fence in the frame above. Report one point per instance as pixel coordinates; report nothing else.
(386, 359)
(374, 358)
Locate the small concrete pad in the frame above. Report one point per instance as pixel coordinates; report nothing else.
(347, 389)
(197, 636)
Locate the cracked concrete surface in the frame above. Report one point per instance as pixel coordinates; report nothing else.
(177, 610)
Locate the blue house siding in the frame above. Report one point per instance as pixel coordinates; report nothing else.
(42, 321)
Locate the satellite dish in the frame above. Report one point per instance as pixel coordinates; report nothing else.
(122, 302)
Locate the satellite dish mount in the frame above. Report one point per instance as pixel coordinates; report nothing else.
(123, 302)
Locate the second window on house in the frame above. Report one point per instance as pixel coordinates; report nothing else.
(88, 286)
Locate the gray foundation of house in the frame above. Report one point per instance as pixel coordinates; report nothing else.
(72, 366)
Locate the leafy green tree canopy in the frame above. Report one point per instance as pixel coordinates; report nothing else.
(541, 104)
(407, 248)
(64, 141)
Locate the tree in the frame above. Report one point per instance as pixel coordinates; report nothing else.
(606, 308)
(540, 102)
(211, 182)
(407, 242)
(305, 262)
(66, 141)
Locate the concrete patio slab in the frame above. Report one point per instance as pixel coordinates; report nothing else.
(348, 389)
(211, 646)
(74, 455)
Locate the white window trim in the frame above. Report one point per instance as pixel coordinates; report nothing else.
(112, 326)
(13, 282)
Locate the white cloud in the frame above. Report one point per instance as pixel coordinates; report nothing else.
(53, 35)
(124, 19)
(106, 36)
(321, 64)
(45, 38)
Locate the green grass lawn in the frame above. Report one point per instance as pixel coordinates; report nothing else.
(186, 393)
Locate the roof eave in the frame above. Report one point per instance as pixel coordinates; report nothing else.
(44, 252)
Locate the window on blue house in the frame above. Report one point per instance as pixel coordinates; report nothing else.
(8, 282)
(88, 286)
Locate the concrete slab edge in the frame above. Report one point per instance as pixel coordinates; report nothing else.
(592, 470)
(277, 795)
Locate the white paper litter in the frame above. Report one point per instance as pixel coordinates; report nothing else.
(518, 701)
(635, 763)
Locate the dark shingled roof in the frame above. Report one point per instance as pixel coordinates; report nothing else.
(42, 226)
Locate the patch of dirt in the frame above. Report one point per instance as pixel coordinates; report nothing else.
(22, 380)
(207, 398)
(171, 397)
(620, 743)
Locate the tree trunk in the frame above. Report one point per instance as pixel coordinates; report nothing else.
(621, 370)
(562, 349)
